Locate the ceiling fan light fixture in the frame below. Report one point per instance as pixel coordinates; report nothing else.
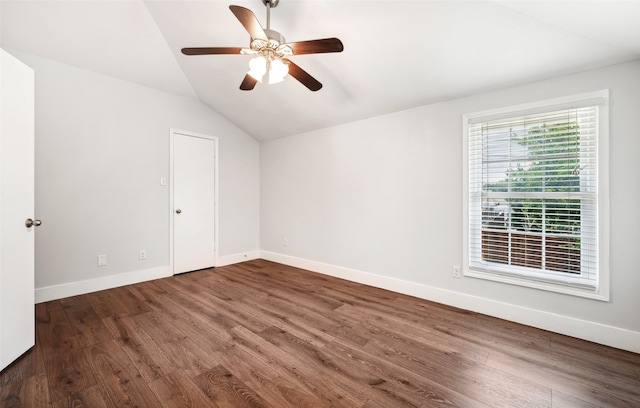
(257, 67)
(278, 69)
(257, 44)
(284, 50)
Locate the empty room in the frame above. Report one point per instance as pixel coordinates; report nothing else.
(308, 203)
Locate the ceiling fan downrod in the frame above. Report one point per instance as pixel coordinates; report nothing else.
(274, 38)
(269, 4)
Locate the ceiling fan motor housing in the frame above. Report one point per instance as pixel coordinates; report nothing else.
(276, 47)
(273, 35)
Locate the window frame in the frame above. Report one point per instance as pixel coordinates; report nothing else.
(601, 289)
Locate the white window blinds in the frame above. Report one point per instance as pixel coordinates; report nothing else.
(533, 194)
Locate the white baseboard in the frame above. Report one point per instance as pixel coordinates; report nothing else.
(64, 290)
(586, 330)
(591, 331)
(237, 258)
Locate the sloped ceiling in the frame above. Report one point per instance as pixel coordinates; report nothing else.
(398, 54)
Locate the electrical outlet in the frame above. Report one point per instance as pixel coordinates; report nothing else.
(102, 260)
(143, 255)
(456, 271)
(285, 243)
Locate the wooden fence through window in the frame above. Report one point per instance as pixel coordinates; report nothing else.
(561, 254)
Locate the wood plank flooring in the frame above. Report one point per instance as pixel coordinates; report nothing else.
(260, 334)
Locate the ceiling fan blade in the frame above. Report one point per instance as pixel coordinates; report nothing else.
(211, 50)
(249, 21)
(302, 76)
(316, 46)
(248, 83)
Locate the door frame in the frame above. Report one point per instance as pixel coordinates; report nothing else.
(177, 132)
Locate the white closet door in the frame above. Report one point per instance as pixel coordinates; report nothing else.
(194, 202)
(17, 242)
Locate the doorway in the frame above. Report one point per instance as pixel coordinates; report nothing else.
(193, 181)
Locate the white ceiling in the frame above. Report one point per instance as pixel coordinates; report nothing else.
(398, 54)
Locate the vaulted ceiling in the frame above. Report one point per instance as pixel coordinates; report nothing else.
(397, 54)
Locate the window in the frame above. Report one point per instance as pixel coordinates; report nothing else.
(536, 191)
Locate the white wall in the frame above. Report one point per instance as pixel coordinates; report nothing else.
(376, 201)
(102, 145)
(380, 201)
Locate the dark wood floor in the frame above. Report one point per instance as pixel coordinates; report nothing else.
(260, 334)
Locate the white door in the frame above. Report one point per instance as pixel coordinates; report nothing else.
(194, 201)
(16, 206)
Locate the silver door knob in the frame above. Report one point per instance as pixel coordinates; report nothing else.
(30, 223)
(178, 211)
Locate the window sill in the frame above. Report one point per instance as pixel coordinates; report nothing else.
(530, 282)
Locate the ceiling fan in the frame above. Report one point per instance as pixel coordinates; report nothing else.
(271, 51)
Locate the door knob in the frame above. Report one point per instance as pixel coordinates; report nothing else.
(30, 223)
(178, 211)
